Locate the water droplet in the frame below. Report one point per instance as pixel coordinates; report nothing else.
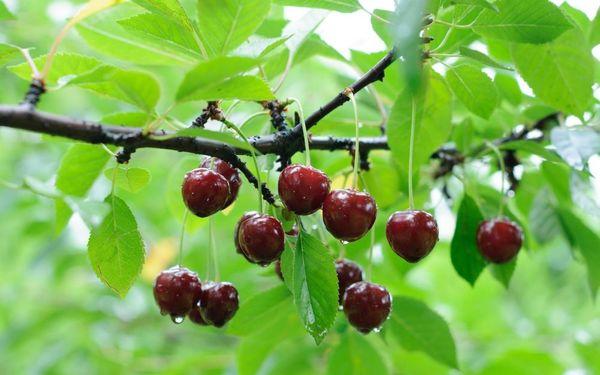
(377, 330)
(177, 319)
(344, 242)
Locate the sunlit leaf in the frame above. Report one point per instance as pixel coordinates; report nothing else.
(576, 144)
(129, 179)
(345, 6)
(474, 89)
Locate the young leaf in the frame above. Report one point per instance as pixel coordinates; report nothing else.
(474, 89)
(129, 179)
(116, 249)
(522, 21)
(344, 6)
(260, 310)
(354, 355)
(560, 73)
(225, 24)
(79, 168)
(5, 14)
(416, 327)
(315, 285)
(465, 256)
(576, 145)
(481, 57)
(406, 26)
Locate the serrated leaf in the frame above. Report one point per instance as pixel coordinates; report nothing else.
(7, 53)
(481, 57)
(522, 21)
(560, 73)
(315, 285)
(221, 78)
(576, 144)
(416, 327)
(212, 135)
(259, 310)
(171, 9)
(354, 355)
(226, 24)
(65, 67)
(129, 179)
(532, 148)
(465, 256)
(344, 6)
(406, 27)
(474, 89)
(5, 14)
(115, 248)
(79, 168)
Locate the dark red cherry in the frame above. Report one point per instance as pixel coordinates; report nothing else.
(176, 291)
(204, 191)
(230, 173)
(367, 305)
(236, 232)
(303, 188)
(412, 234)
(261, 239)
(349, 214)
(218, 303)
(196, 317)
(348, 273)
(499, 240)
(278, 269)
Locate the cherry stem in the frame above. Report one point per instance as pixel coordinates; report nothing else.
(411, 150)
(496, 151)
(356, 167)
(234, 127)
(304, 131)
(181, 236)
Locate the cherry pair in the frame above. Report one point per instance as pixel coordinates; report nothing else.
(178, 292)
(348, 214)
(211, 187)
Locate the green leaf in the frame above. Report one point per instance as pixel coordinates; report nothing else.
(79, 168)
(477, 3)
(509, 88)
(432, 127)
(595, 30)
(465, 256)
(406, 26)
(129, 179)
(586, 238)
(474, 89)
(560, 73)
(503, 272)
(532, 148)
(522, 21)
(576, 144)
(171, 9)
(302, 29)
(136, 88)
(521, 362)
(344, 6)
(220, 78)
(259, 310)
(315, 285)
(116, 249)
(354, 355)
(65, 67)
(213, 135)
(481, 57)
(259, 48)
(132, 119)
(62, 215)
(7, 53)
(5, 14)
(226, 24)
(588, 353)
(416, 327)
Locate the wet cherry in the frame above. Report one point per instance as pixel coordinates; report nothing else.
(196, 317)
(218, 303)
(348, 273)
(204, 191)
(349, 214)
(176, 291)
(303, 188)
(367, 306)
(499, 240)
(230, 173)
(261, 238)
(236, 232)
(412, 234)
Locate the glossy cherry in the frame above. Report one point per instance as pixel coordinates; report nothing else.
(176, 291)
(499, 240)
(261, 238)
(236, 232)
(367, 306)
(230, 173)
(303, 188)
(196, 317)
(349, 214)
(218, 303)
(348, 273)
(412, 234)
(204, 191)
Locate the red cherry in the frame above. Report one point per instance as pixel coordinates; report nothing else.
(367, 305)
(176, 291)
(204, 191)
(499, 240)
(261, 239)
(412, 234)
(303, 188)
(196, 317)
(219, 303)
(236, 232)
(349, 214)
(348, 273)
(230, 173)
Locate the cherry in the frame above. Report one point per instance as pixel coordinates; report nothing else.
(176, 291)
(236, 232)
(278, 269)
(303, 188)
(230, 173)
(499, 240)
(367, 305)
(349, 214)
(196, 317)
(261, 238)
(412, 234)
(348, 273)
(218, 303)
(204, 191)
